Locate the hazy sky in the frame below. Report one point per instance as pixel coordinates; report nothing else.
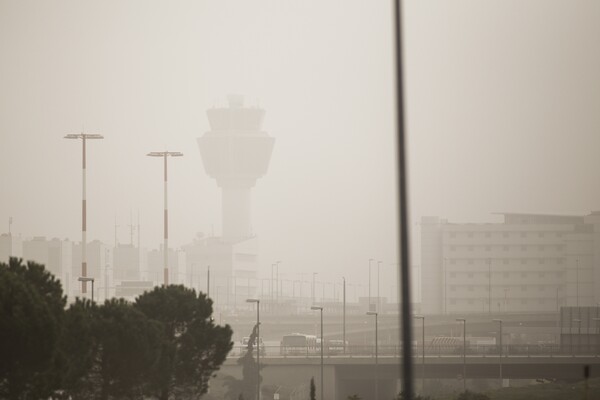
(503, 115)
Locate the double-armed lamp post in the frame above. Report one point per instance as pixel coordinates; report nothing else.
(164, 155)
(84, 137)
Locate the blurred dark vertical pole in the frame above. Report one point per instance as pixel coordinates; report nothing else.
(406, 327)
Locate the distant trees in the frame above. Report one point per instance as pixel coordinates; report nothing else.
(164, 346)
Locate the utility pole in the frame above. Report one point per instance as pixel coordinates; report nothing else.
(164, 155)
(83, 137)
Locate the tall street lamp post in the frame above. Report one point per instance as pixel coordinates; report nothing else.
(376, 355)
(165, 155)
(344, 314)
(499, 321)
(370, 261)
(489, 262)
(83, 137)
(315, 308)
(257, 301)
(85, 279)
(422, 318)
(464, 321)
(378, 294)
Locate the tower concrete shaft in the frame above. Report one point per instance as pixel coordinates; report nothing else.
(236, 152)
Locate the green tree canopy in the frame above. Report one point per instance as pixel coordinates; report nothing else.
(31, 312)
(193, 347)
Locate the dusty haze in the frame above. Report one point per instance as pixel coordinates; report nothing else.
(503, 115)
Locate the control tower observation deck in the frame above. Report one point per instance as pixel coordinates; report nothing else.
(236, 152)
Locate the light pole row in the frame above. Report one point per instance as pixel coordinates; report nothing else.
(164, 154)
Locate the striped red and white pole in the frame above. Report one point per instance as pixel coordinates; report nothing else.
(84, 137)
(164, 155)
(166, 229)
(83, 223)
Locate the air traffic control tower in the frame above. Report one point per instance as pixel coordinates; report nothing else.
(235, 152)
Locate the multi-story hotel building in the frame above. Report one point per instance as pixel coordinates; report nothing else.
(527, 263)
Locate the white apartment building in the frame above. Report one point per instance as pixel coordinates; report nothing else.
(527, 263)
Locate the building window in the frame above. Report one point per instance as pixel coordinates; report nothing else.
(452, 274)
(559, 261)
(523, 234)
(505, 235)
(470, 288)
(470, 262)
(541, 261)
(523, 261)
(505, 274)
(453, 288)
(558, 247)
(540, 288)
(470, 234)
(523, 274)
(559, 235)
(452, 248)
(523, 301)
(523, 248)
(488, 234)
(559, 274)
(541, 301)
(452, 235)
(523, 288)
(470, 301)
(488, 248)
(541, 248)
(452, 301)
(470, 274)
(542, 275)
(505, 262)
(470, 248)
(541, 234)
(453, 261)
(505, 248)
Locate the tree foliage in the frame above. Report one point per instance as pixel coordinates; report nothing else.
(31, 314)
(248, 384)
(193, 347)
(313, 390)
(163, 346)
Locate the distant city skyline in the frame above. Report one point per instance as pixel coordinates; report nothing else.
(502, 116)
